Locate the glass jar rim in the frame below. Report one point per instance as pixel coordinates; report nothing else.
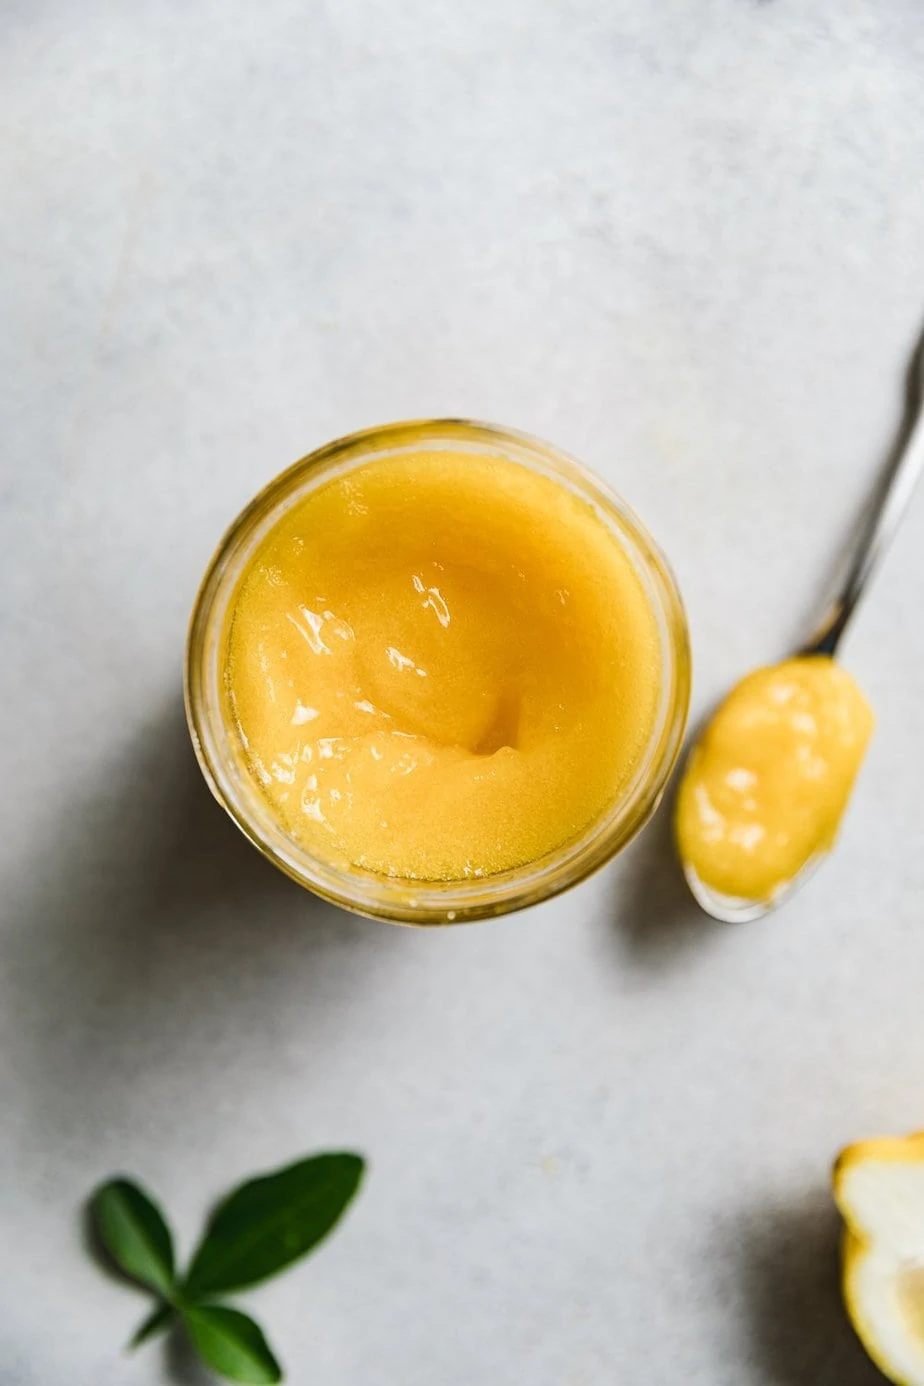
(398, 899)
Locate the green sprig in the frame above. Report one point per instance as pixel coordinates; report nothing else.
(258, 1230)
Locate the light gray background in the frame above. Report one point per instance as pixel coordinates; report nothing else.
(681, 240)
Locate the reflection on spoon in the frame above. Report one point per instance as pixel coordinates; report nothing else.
(730, 909)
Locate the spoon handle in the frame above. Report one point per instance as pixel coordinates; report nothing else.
(885, 514)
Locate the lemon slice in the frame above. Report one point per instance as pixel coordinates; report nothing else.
(879, 1189)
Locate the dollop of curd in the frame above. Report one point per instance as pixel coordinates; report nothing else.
(766, 786)
(441, 666)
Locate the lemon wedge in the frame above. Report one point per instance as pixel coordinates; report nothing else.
(879, 1189)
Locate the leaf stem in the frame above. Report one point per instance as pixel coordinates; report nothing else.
(156, 1322)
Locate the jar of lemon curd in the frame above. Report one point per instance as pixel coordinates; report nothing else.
(437, 671)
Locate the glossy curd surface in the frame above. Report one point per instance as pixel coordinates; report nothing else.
(766, 785)
(441, 665)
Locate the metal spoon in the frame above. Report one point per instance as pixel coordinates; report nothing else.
(886, 511)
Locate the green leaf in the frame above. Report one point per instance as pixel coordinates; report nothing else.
(269, 1222)
(161, 1318)
(132, 1229)
(232, 1344)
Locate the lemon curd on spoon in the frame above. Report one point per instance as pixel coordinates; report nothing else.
(766, 786)
(441, 666)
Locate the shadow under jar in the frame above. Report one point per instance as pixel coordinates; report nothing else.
(437, 671)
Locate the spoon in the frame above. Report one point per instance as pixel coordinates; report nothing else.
(886, 511)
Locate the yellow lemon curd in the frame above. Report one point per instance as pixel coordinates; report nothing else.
(441, 666)
(766, 786)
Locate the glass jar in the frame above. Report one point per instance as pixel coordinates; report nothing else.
(221, 755)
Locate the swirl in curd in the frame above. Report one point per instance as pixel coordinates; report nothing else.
(441, 665)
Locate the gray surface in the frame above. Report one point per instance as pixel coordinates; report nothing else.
(682, 241)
